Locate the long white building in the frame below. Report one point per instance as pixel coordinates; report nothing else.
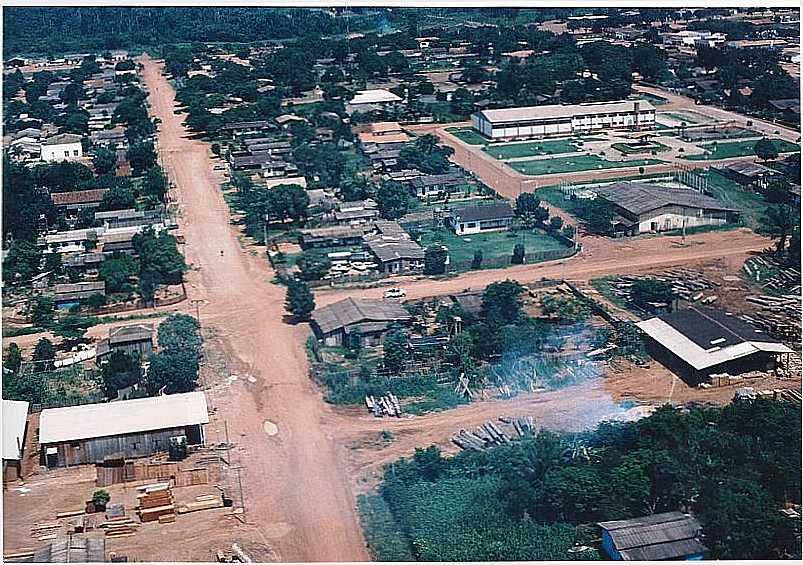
(557, 119)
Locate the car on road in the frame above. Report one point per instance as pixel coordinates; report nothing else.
(395, 293)
(219, 167)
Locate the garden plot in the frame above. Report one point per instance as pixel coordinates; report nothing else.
(537, 167)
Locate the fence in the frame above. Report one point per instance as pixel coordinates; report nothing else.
(505, 261)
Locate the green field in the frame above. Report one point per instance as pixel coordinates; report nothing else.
(467, 135)
(730, 192)
(574, 164)
(738, 149)
(492, 244)
(505, 151)
(689, 119)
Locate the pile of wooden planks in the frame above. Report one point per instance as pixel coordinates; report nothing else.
(45, 531)
(387, 405)
(203, 502)
(687, 284)
(483, 437)
(119, 527)
(774, 275)
(154, 501)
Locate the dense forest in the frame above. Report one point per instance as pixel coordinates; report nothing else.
(734, 468)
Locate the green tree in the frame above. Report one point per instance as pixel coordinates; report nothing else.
(476, 262)
(73, 327)
(173, 372)
(120, 197)
(104, 160)
(117, 271)
(42, 311)
(645, 292)
(13, 357)
(429, 463)
(180, 333)
(394, 351)
(778, 223)
(555, 223)
(313, 265)
(765, 149)
(44, 354)
(518, 254)
(121, 370)
(393, 200)
(155, 183)
(435, 257)
(299, 300)
(22, 262)
(142, 156)
(564, 308)
(527, 204)
(501, 302)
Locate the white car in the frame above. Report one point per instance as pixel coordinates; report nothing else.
(395, 293)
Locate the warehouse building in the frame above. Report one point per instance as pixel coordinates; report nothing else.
(660, 537)
(136, 428)
(644, 208)
(557, 119)
(370, 319)
(15, 423)
(697, 342)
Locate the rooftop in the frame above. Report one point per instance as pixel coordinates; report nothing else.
(62, 139)
(638, 198)
(74, 423)
(651, 538)
(374, 97)
(15, 417)
(705, 337)
(486, 212)
(564, 111)
(128, 334)
(78, 197)
(357, 310)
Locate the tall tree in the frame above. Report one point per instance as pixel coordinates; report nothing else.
(299, 300)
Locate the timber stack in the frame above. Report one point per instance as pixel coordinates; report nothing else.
(203, 502)
(155, 502)
(387, 405)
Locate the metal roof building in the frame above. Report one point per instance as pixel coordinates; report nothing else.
(15, 422)
(670, 535)
(557, 119)
(697, 342)
(139, 427)
(374, 317)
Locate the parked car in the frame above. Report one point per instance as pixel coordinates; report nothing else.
(395, 293)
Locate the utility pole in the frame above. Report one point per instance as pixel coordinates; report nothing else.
(197, 303)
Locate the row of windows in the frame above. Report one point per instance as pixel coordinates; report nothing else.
(567, 120)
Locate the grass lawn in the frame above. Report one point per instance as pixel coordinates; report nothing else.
(724, 150)
(574, 164)
(689, 119)
(514, 150)
(730, 192)
(492, 244)
(467, 135)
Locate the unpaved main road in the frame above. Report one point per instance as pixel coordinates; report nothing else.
(295, 482)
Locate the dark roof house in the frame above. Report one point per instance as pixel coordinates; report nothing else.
(330, 323)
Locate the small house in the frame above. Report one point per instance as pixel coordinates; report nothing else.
(437, 185)
(62, 147)
(136, 339)
(394, 250)
(749, 174)
(479, 219)
(370, 319)
(78, 199)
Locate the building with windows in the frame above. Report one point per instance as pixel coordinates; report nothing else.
(478, 219)
(62, 147)
(557, 119)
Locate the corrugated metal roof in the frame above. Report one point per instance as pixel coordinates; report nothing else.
(525, 113)
(639, 198)
(661, 536)
(487, 212)
(73, 423)
(15, 416)
(75, 549)
(78, 196)
(374, 96)
(357, 310)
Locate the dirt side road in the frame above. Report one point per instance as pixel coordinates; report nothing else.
(295, 481)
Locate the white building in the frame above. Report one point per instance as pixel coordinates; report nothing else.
(367, 100)
(15, 421)
(62, 147)
(557, 119)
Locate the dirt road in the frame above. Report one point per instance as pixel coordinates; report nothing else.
(601, 256)
(295, 481)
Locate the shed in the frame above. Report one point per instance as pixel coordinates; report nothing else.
(138, 428)
(15, 422)
(371, 318)
(697, 342)
(669, 535)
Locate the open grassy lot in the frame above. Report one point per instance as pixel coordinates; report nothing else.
(492, 244)
(467, 135)
(730, 192)
(504, 151)
(738, 149)
(574, 164)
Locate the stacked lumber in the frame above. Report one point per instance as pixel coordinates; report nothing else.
(688, 284)
(23, 553)
(204, 502)
(523, 426)
(155, 500)
(774, 275)
(792, 396)
(43, 531)
(387, 405)
(119, 527)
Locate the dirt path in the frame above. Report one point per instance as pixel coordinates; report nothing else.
(295, 482)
